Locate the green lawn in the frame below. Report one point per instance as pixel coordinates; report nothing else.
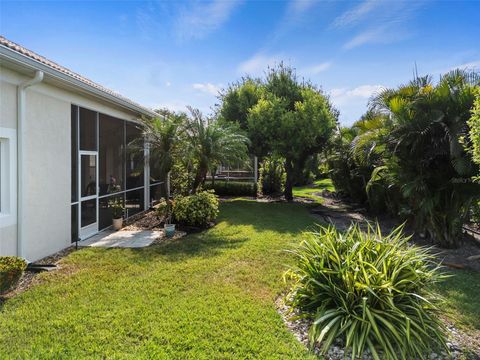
(206, 296)
(311, 191)
(462, 299)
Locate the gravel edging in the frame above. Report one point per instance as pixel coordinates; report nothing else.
(299, 327)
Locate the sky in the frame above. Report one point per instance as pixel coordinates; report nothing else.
(177, 53)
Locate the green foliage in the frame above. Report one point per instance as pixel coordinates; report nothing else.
(116, 207)
(11, 270)
(164, 209)
(347, 176)
(410, 155)
(210, 143)
(272, 176)
(232, 188)
(474, 125)
(199, 209)
(373, 291)
(182, 176)
(288, 118)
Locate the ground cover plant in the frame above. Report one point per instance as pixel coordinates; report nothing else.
(373, 291)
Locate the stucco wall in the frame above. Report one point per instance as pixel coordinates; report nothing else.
(47, 168)
(8, 120)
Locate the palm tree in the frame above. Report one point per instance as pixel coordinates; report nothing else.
(427, 158)
(163, 136)
(210, 144)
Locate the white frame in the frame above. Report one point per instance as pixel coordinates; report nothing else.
(91, 229)
(8, 172)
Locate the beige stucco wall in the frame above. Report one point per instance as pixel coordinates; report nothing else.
(47, 162)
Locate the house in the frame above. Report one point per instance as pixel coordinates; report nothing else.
(64, 155)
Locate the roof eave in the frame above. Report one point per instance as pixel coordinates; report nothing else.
(36, 65)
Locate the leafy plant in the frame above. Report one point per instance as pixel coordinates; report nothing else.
(11, 270)
(373, 291)
(198, 209)
(272, 176)
(116, 207)
(164, 209)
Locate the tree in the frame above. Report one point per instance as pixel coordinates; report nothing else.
(283, 117)
(163, 135)
(426, 159)
(210, 143)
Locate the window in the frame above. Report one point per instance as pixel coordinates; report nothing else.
(8, 172)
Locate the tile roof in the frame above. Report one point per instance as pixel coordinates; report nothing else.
(32, 55)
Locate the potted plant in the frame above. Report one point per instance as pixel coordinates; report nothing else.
(116, 207)
(165, 209)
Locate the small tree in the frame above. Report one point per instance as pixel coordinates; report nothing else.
(283, 117)
(210, 144)
(163, 136)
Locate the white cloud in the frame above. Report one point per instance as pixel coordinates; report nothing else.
(317, 69)
(208, 88)
(473, 65)
(355, 15)
(201, 19)
(298, 7)
(343, 95)
(352, 102)
(379, 21)
(370, 36)
(168, 84)
(258, 63)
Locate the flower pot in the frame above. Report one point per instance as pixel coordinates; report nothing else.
(169, 230)
(117, 223)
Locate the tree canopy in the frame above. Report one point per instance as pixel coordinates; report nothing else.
(282, 116)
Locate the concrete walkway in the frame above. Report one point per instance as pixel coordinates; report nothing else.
(122, 239)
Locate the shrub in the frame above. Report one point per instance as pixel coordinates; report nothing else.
(11, 269)
(372, 291)
(233, 188)
(272, 176)
(196, 210)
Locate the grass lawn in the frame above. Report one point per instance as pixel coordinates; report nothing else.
(310, 191)
(206, 296)
(462, 299)
(209, 295)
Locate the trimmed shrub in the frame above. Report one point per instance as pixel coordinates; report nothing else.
(370, 290)
(233, 188)
(198, 210)
(11, 270)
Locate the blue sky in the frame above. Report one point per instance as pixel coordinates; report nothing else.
(172, 54)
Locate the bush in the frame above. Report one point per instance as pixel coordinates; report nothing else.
(233, 188)
(272, 176)
(11, 270)
(372, 291)
(196, 210)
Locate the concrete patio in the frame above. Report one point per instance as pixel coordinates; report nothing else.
(122, 239)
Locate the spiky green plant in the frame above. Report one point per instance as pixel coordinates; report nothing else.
(370, 290)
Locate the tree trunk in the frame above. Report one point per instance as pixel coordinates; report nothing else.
(289, 180)
(199, 178)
